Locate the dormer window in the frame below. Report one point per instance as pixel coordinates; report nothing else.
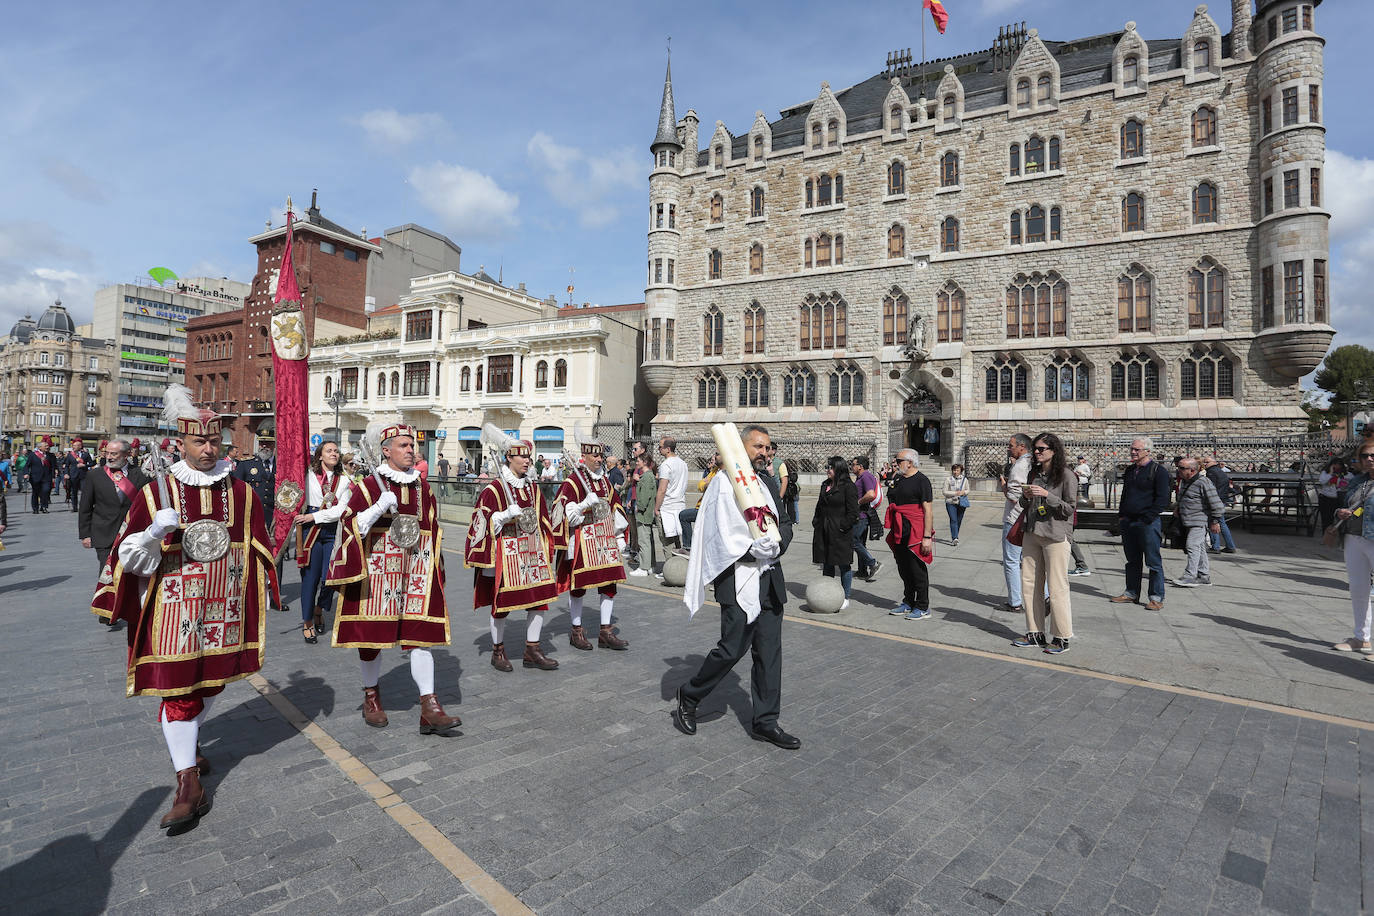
(1023, 96)
(833, 133)
(1042, 89)
(720, 156)
(758, 149)
(1130, 71)
(1202, 55)
(896, 116)
(948, 106)
(816, 139)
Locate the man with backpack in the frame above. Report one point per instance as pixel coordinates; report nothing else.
(1220, 477)
(1146, 488)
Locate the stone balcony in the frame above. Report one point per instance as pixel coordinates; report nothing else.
(1293, 350)
(658, 376)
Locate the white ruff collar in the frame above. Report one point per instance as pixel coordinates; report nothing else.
(193, 478)
(595, 475)
(391, 473)
(509, 477)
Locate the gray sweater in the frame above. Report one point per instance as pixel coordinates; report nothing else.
(1198, 502)
(1056, 522)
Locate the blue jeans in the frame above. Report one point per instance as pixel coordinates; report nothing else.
(846, 576)
(1141, 544)
(1223, 534)
(956, 518)
(1011, 567)
(313, 592)
(859, 535)
(686, 518)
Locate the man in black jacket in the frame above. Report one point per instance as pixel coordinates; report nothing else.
(41, 473)
(260, 473)
(106, 495)
(1146, 489)
(1221, 482)
(75, 464)
(763, 635)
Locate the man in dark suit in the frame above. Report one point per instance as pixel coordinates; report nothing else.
(106, 495)
(41, 472)
(727, 548)
(260, 473)
(75, 464)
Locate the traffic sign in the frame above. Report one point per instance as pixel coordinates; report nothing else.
(315, 440)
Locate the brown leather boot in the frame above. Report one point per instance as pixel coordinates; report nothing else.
(202, 763)
(577, 638)
(607, 639)
(373, 714)
(498, 658)
(191, 801)
(433, 719)
(535, 658)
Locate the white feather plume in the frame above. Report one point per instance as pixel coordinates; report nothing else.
(177, 403)
(370, 449)
(494, 439)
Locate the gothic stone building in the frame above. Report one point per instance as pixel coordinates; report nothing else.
(1092, 237)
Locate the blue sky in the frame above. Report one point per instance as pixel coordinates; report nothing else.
(160, 134)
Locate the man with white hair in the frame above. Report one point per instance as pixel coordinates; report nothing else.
(1145, 493)
(106, 494)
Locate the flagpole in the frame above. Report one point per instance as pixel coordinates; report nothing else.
(923, 55)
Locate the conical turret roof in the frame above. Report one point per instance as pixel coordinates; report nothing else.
(667, 115)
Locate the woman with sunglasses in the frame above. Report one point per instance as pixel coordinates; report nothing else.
(1357, 520)
(1048, 501)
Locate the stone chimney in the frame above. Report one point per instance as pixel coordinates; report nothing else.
(1242, 21)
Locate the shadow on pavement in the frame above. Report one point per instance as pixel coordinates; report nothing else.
(1350, 664)
(71, 874)
(728, 695)
(34, 584)
(990, 625)
(1260, 628)
(1335, 582)
(230, 736)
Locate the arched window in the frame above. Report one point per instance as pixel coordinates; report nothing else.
(1035, 224)
(896, 242)
(717, 208)
(464, 383)
(1206, 372)
(1055, 224)
(1130, 71)
(896, 178)
(758, 149)
(832, 131)
(396, 382)
(1133, 213)
(1023, 94)
(839, 250)
(1202, 55)
(1005, 382)
(756, 258)
(1206, 295)
(1205, 126)
(753, 388)
(479, 379)
(895, 308)
(1016, 227)
(381, 383)
(948, 106)
(806, 253)
(1134, 292)
(1054, 154)
(1205, 203)
(823, 191)
(560, 373)
(753, 328)
(328, 386)
(799, 387)
(846, 386)
(823, 250)
(1042, 88)
(756, 202)
(810, 198)
(720, 156)
(895, 116)
(1132, 139)
(711, 389)
(713, 264)
(1015, 160)
(816, 140)
(1035, 156)
(1067, 379)
(712, 332)
(823, 322)
(949, 234)
(949, 313)
(839, 189)
(1135, 377)
(1038, 306)
(541, 374)
(949, 169)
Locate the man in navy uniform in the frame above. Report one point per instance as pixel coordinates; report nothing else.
(260, 473)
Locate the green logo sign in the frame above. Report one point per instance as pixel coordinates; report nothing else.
(161, 275)
(143, 357)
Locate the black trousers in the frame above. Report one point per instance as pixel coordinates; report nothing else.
(102, 554)
(915, 579)
(763, 638)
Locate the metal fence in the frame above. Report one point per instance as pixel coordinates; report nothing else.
(809, 454)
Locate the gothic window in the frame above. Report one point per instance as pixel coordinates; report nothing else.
(1202, 55)
(799, 387)
(753, 388)
(1134, 289)
(949, 234)
(1035, 224)
(717, 209)
(1130, 71)
(1005, 382)
(1314, 186)
(1205, 126)
(1132, 139)
(753, 328)
(895, 117)
(896, 242)
(713, 264)
(1016, 227)
(1055, 224)
(896, 178)
(396, 382)
(1067, 379)
(846, 386)
(1290, 188)
(823, 191)
(1206, 295)
(756, 202)
(560, 374)
(1294, 302)
(823, 250)
(1015, 160)
(1290, 106)
(1206, 373)
(1319, 291)
(1042, 89)
(541, 374)
(1133, 213)
(1135, 378)
(1038, 306)
(810, 194)
(1266, 115)
(1023, 94)
(756, 258)
(949, 170)
(816, 135)
(949, 313)
(823, 322)
(895, 307)
(839, 250)
(948, 107)
(1314, 109)
(672, 216)
(1054, 154)
(713, 333)
(806, 256)
(1035, 156)
(758, 149)
(720, 156)
(1205, 203)
(832, 133)
(711, 389)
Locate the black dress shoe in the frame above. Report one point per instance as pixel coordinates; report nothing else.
(775, 735)
(685, 716)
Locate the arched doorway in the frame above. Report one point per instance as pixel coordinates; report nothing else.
(921, 415)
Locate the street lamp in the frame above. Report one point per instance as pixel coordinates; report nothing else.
(337, 401)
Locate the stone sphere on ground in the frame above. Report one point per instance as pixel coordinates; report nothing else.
(824, 596)
(675, 571)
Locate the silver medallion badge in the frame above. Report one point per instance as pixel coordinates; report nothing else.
(289, 496)
(405, 531)
(601, 510)
(205, 541)
(528, 522)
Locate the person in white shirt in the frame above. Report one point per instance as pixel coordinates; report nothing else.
(1084, 472)
(672, 495)
(1018, 450)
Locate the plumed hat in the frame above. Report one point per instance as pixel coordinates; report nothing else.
(189, 420)
(495, 439)
(588, 444)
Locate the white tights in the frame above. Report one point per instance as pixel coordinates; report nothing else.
(181, 737)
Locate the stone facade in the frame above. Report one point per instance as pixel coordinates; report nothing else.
(56, 382)
(893, 146)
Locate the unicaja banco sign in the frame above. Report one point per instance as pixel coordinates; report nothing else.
(161, 275)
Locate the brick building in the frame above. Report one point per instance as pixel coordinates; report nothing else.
(1093, 236)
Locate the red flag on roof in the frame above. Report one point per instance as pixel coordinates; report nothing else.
(287, 289)
(937, 13)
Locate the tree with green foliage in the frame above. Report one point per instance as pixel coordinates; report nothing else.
(1342, 369)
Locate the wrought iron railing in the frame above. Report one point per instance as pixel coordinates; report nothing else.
(809, 454)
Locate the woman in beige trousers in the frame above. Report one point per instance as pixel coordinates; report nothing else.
(1048, 499)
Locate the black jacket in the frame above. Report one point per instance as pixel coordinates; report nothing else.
(772, 587)
(1145, 492)
(261, 478)
(103, 507)
(40, 470)
(837, 512)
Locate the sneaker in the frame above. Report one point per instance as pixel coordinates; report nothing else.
(1187, 582)
(1057, 646)
(1081, 571)
(954, 543)
(900, 610)
(917, 614)
(639, 572)
(844, 605)
(1204, 580)
(1029, 640)
(873, 573)
(1228, 550)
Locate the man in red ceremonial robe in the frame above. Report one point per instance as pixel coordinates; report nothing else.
(391, 582)
(192, 574)
(587, 521)
(510, 544)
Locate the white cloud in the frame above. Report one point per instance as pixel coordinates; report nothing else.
(388, 126)
(586, 183)
(38, 266)
(470, 204)
(1350, 198)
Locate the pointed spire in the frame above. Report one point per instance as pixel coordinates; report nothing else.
(667, 115)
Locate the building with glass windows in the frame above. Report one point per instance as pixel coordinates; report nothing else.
(1093, 236)
(56, 382)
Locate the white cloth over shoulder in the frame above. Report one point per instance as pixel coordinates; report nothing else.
(721, 537)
